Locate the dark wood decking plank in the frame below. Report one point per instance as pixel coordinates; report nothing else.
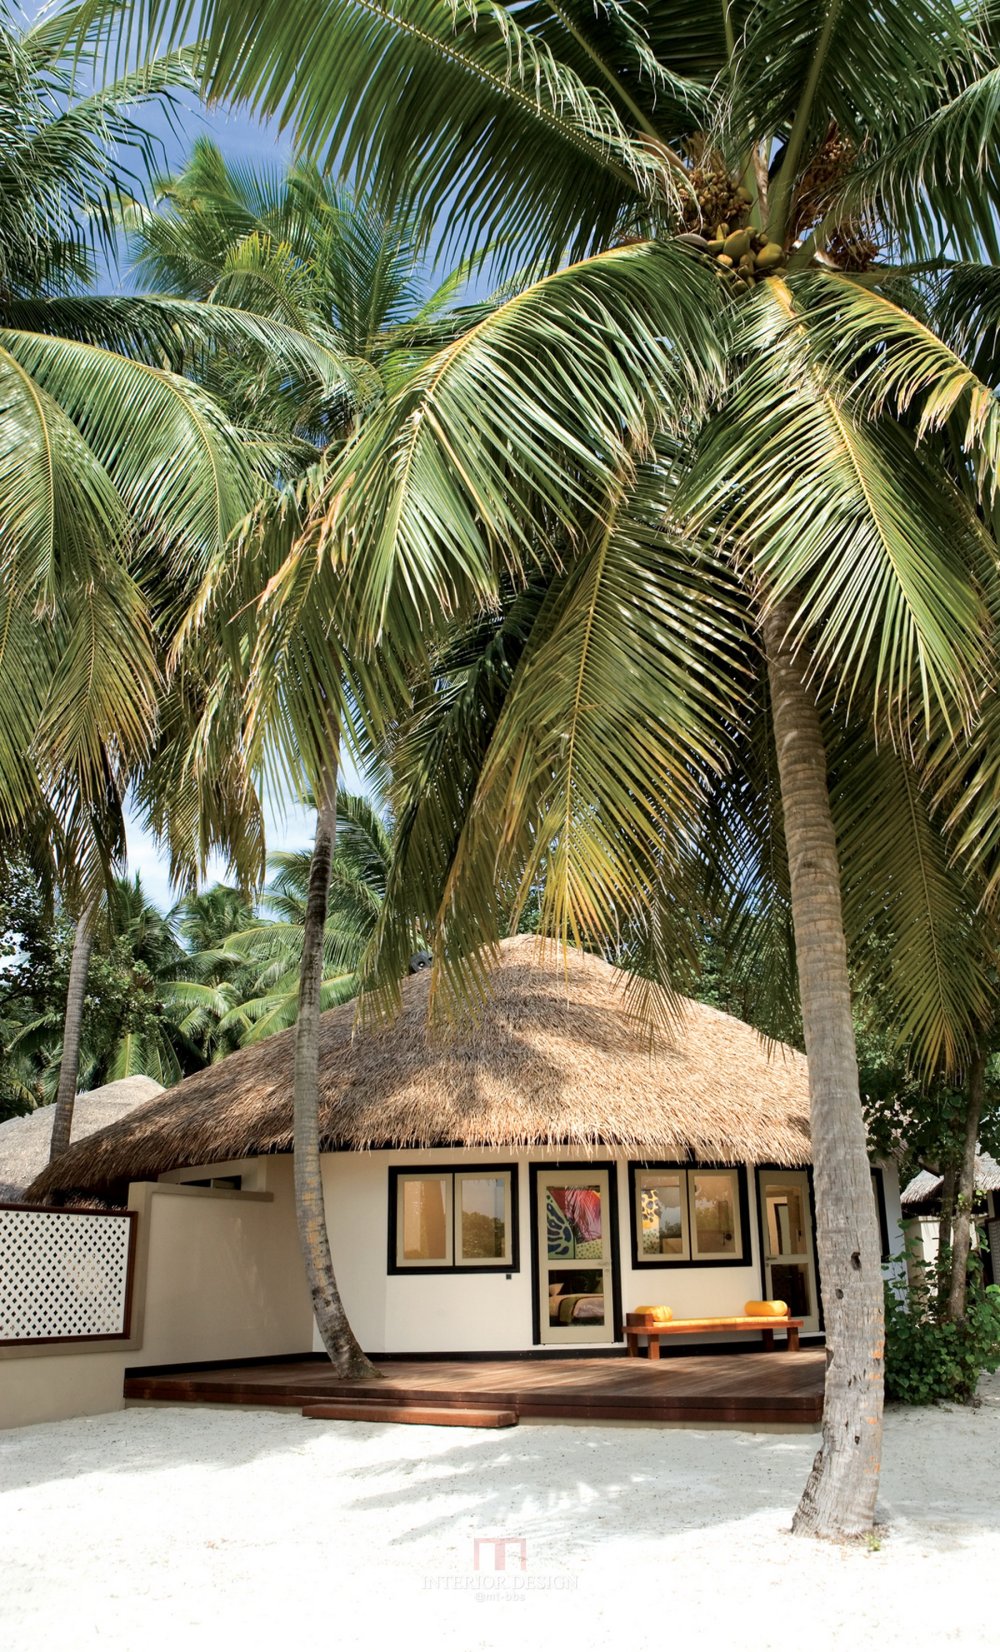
(740, 1388)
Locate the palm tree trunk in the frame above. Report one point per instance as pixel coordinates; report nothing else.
(334, 1327)
(69, 1064)
(840, 1494)
(962, 1231)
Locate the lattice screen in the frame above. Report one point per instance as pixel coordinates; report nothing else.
(63, 1275)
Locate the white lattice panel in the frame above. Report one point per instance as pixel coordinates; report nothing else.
(63, 1275)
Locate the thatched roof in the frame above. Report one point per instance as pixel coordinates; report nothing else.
(926, 1186)
(24, 1142)
(553, 1059)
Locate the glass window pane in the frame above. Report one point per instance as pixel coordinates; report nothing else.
(482, 1218)
(423, 1219)
(576, 1296)
(786, 1226)
(574, 1223)
(713, 1201)
(661, 1213)
(790, 1282)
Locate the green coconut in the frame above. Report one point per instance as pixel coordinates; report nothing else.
(770, 256)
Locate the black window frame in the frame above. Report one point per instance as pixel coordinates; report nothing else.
(448, 1268)
(741, 1259)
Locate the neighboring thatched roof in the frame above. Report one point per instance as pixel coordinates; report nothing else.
(926, 1187)
(24, 1142)
(553, 1059)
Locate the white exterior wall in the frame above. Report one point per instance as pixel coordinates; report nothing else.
(893, 1208)
(895, 1270)
(468, 1313)
(223, 1275)
(217, 1276)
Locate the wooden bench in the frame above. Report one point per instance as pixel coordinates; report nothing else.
(638, 1325)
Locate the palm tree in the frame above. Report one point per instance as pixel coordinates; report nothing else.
(269, 948)
(726, 184)
(110, 449)
(128, 1021)
(324, 258)
(120, 477)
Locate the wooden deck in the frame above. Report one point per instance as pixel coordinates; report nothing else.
(779, 1388)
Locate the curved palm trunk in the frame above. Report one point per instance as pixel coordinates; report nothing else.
(962, 1230)
(69, 1065)
(338, 1339)
(840, 1494)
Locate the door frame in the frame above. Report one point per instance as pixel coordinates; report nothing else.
(783, 1170)
(544, 1166)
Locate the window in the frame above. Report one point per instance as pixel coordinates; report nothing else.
(688, 1214)
(458, 1219)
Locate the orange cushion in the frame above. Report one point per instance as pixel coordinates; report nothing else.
(766, 1310)
(660, 1314)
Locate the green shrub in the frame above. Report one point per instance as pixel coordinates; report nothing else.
(927, 1359)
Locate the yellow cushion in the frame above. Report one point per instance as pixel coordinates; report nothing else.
(766, 1310)
(660, 1314)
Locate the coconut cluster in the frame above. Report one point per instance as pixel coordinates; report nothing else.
(714, 198)
(850, 244)
(852, 247)
(747, 252)
(823, 178)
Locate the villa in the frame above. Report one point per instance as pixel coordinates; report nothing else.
(514, 1188)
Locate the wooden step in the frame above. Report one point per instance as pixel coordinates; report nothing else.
(440, 1416)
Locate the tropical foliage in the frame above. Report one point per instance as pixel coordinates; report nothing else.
(288, 648)
(928, 1357)
(270, 948)
(754, 408)
(167, 994)
(129, 1023)
(120, 476)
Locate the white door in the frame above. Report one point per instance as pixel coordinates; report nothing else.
(789, 1260)
(573, 1247)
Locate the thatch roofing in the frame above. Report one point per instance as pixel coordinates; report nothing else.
(926, 1186)
(24, 1142)
(554, 1059)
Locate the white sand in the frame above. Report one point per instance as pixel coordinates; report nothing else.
(196, 1528)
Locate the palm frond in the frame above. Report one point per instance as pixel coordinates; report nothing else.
(467, 86)
(896, 360)
(916, 941)
(869, 533)
(533, 413)
(936, 180)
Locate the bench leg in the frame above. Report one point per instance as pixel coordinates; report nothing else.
(632, 1343)
(793, 1339)
(653, 1344)
(767, 1337)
